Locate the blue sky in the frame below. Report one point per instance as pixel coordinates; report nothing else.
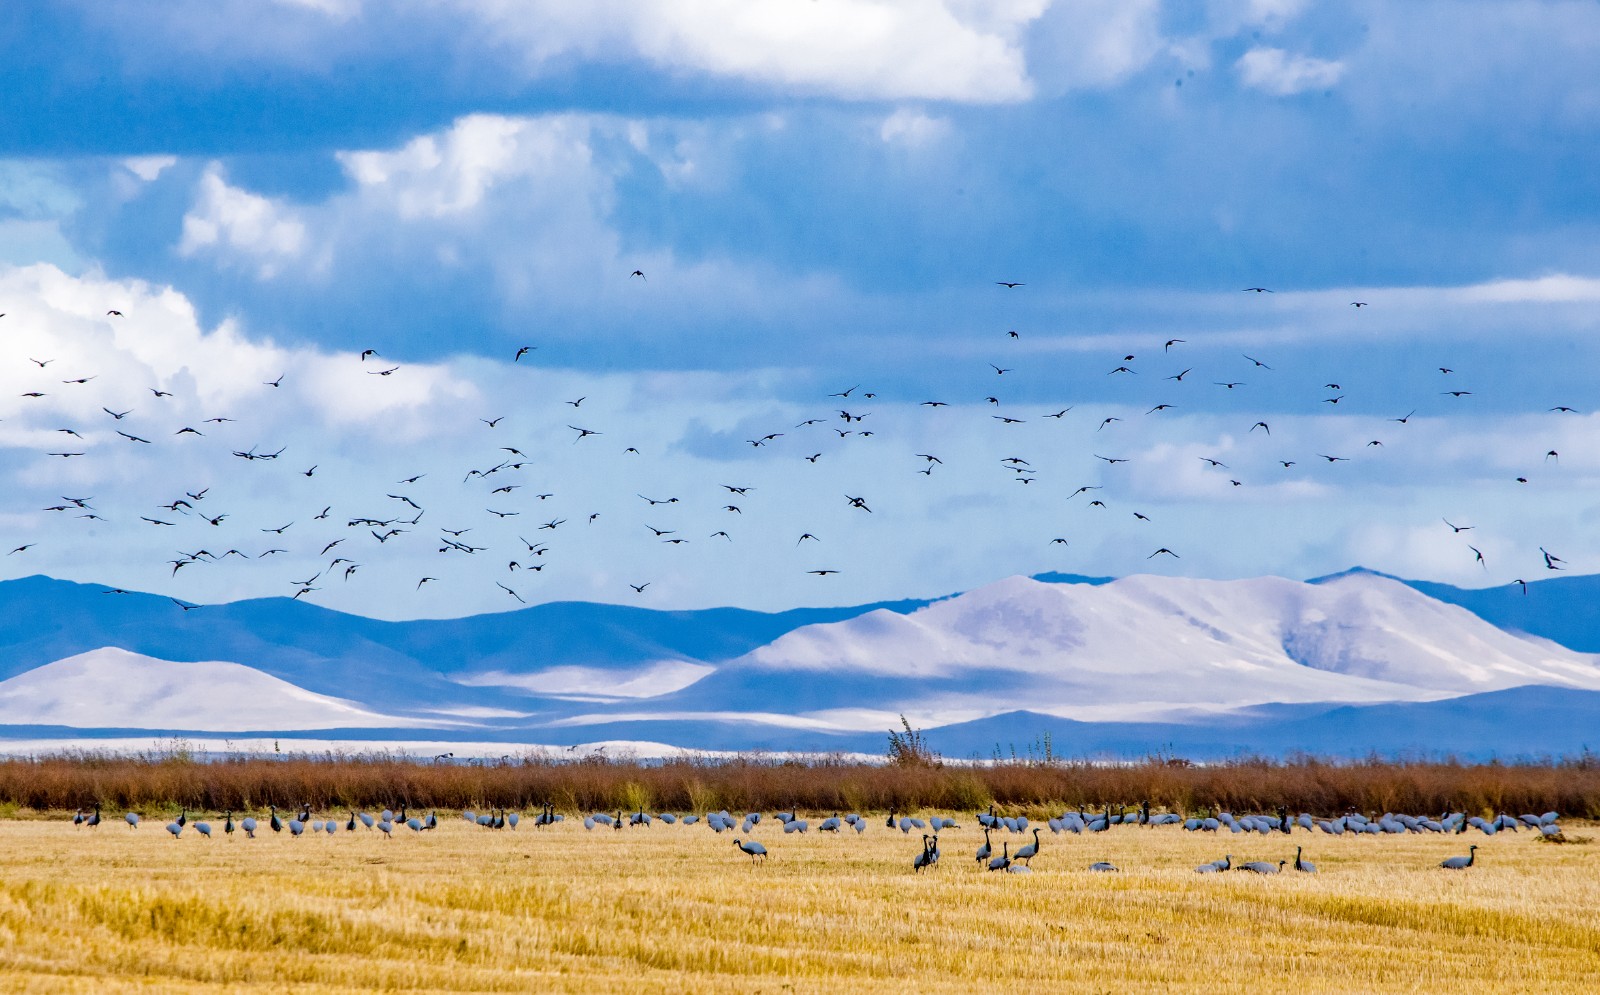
(820, 194)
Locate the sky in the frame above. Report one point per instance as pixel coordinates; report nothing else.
(705, 219)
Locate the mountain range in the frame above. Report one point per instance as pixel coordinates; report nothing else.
(1351, 663)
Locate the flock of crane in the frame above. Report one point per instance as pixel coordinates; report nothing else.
(1013, 862)
(76, 416)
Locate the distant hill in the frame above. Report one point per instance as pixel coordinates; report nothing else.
(1344, 664)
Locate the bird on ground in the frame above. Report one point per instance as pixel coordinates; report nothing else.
(1301, 864)
(751, 847)
(1461, 863)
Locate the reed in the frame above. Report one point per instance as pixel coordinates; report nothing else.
(172, 779)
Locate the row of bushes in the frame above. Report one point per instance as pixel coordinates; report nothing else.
(336, 782)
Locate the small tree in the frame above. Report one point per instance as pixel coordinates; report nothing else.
(910, 748)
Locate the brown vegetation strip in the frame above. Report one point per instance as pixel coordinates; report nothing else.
(333, 782)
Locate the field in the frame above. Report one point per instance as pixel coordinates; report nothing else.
(677, 908)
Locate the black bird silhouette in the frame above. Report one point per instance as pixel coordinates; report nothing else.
(1257, 290)
(1479, 555)
(639, 588)
(1258, 362)
(1163, 549)
(1170, 343)
(522, 352)
(1261, 425)
(274, 383)
(1458, 529)
(1008, 284)
(1406, 418)
(1524, 584)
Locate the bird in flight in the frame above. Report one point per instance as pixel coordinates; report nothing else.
(1170, 343)
(639, 588)
(1257, 290)
(1008, 284)
(640, 274)
(274, 383)
(1163, 549)
(1258, 362)
(822, 573)
(1458, 529)
(583, 433)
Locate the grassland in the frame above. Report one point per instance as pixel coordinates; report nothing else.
(677, 908)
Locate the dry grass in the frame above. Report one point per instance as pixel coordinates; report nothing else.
(168, 780)
(676, 908)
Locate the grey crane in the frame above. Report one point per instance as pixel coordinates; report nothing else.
(985, 850)
(249, 827)
(1461, 863)
(1027, 853)
(93, 820)
(1103, 866)
(753, 848)
(132, 819)
(1003, 861)
(923, 859)
(227, 824)
(1263, 867)
(1301, 864)
(175, 829)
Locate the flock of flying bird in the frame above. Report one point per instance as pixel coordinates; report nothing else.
(1019, 861)
(322, 544)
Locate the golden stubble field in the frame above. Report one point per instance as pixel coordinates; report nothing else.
(678, 908)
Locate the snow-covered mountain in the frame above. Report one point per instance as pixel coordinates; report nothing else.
(111, 688)
(1147, 648)
(1228, 664)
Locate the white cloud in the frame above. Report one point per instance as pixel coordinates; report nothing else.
(338, 10)
(913, 128)
(857, 49)
(1095, 43)
(242, 224)
(1274, 71)
(149, 167)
